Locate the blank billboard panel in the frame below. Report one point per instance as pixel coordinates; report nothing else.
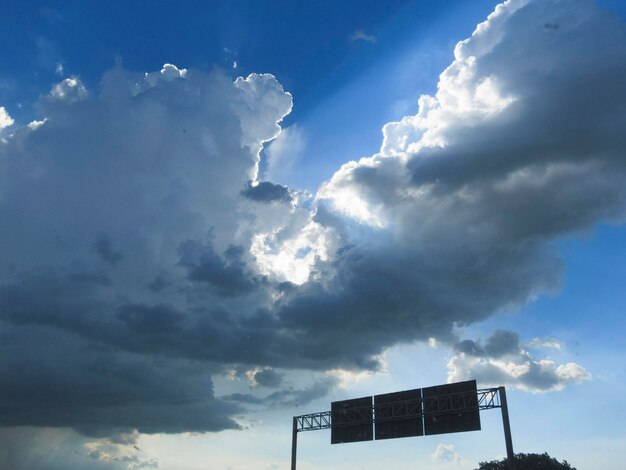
(398, 414)
(351, 420)
(451, 408)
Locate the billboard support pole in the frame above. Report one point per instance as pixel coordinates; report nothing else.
(510, 456)
(294, 443)
(404, 410)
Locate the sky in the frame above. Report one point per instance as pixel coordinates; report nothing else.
(217, 215)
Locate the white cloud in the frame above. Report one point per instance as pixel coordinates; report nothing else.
(361, 35)
(572, 372)
(69, 90)
(167, 73)
(292, 259)
(35, 124)
(5, 119)
(125, 455)
(347, 378)
(445, 453)
(550, 343)
(502, 360)
(523, 373)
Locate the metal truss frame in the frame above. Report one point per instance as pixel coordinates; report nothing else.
(483, 399)
(486, 399)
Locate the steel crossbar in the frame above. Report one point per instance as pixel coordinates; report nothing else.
(484, 399)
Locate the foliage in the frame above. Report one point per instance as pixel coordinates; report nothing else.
(528, 462)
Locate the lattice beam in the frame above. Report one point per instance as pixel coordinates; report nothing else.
(463, 401)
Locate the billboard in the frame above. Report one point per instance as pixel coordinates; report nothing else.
(398, 414)
(451, 408)
(351, 420)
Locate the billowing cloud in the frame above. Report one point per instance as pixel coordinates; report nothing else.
(5, 119)
(141, 249)
(121, 212)
(69, 90)
(502, 360)
(463, 204)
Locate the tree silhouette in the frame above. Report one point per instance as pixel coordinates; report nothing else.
(528, 462)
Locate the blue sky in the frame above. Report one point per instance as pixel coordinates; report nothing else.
(190, 258)
(307, 46)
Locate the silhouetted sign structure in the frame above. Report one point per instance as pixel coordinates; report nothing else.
(451, 408)
(422, 411)
(418, 412)
(398, 414)
(352, 420)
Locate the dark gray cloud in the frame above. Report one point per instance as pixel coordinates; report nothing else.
(89, 278)
(158, 284)
(227, 275)
(268, 377)
(266, 191)
(104, 248)
(289, 396)
(157, 319)
(246, 398)
(301, 397)
(55, 379)
(499, 344)
(108, 323)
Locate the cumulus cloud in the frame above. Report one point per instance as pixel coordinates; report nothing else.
(5, 119)
(141, 248)
(69, 90)
(121, 212)
(502, 360)
(445, 453)
(463, 203)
